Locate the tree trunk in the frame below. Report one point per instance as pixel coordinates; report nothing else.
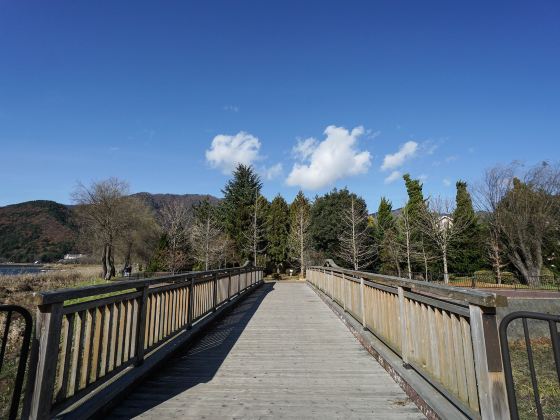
(127, 256)
(445, 272)
(408, 253)
(104, 261)
(109, 262)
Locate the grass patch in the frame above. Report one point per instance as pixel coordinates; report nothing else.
(547, 379)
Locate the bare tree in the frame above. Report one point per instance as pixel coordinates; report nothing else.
(407, 229)
(495, 252)
(523, 211)
(355, 243)
(102, 210)
(298, 238)
(140, 232)
(437, 226)
(207, 238)
(175, 220)
(256, 232)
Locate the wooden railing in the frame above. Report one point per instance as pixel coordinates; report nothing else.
(448, 335)
(80, 347)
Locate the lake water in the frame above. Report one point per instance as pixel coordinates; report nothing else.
(11, 270)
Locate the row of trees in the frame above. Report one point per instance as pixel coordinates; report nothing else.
(515, 228)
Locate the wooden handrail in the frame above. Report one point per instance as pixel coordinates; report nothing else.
(81, 347)
(448, 335)
(475, 297)
(49, 297)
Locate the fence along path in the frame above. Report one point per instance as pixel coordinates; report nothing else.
(448, 335)
(81, 347)
(282, 353)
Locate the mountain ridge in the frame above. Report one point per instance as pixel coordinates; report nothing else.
(44, 230)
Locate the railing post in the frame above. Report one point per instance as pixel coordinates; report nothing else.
(191, 303)
(229, 286)
(344, 292)
(492, 393)
(214, 292)
(47, 340)
(404, 323)
(332, 285)
(362, 303)
(238, 282)
(141, 331)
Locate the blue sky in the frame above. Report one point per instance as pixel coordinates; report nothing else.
(168, 95)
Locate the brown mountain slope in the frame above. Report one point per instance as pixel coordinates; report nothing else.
(36, 230)
(45, 230)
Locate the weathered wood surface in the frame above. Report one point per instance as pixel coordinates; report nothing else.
(281, 354)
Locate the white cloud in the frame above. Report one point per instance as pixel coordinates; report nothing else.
(226, 152)
(446, 182)
(323, 163)
(273, 172)
(395, 160)
(393, 177)
(231, 108)
(304, 148)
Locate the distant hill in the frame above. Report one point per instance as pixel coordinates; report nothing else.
(157, 201)
(36, 230)
(45, 230)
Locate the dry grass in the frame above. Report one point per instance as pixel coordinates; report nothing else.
(18, 290)
(547, 379)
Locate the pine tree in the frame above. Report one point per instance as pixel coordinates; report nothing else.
(466, 255)
(237, 207)
(298, 240)
(384, 221)
(277, 231)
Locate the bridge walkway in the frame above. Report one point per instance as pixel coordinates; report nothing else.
(281, 353)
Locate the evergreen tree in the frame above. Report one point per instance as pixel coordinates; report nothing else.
(385, 226)
(466, 255)
(415, 202)
(300, 219)
(326, 223)
(237, 207)
(277, 231)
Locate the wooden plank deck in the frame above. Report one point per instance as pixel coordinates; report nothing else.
(281, 354)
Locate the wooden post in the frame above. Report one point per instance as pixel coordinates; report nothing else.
(141, 331)
(191, 304)
(362, 303)
(344, 292)
(47, 340)
(214, 292)
(403, 326)
(229, 286)
(332, 285)
(492, 393)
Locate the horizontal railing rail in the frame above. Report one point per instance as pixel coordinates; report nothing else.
(81, 346)
(448, 335)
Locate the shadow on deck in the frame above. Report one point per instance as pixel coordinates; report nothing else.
(195, 364)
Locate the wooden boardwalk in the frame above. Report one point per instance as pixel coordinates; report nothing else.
(282, 353)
